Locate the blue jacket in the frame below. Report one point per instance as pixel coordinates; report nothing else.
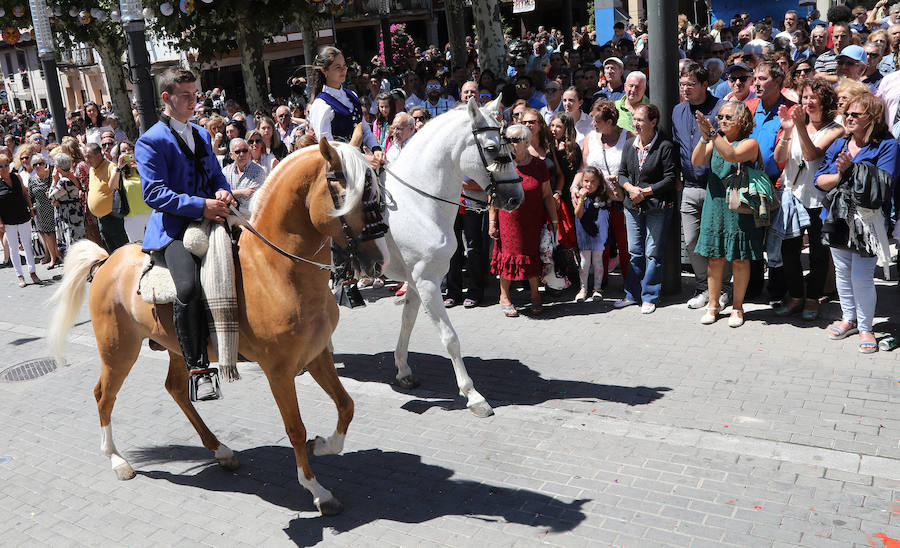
(174, 184)
(686, 135)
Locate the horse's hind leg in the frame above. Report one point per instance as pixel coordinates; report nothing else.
(282, 384)
(116, 362)
(430, 293)
(323, 371)
(177, 386)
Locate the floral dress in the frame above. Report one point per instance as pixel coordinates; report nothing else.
(45, 215)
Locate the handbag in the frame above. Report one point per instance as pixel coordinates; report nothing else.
(120, 206)
(735, 183)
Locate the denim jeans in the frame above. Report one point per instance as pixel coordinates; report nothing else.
(854, 276)
(646, 244)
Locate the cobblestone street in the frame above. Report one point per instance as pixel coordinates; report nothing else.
(611, 429)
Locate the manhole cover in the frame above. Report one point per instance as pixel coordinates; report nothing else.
(26, 371)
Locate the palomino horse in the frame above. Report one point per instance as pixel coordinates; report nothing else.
(424, 185)
(286, 311)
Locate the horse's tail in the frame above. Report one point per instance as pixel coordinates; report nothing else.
(80, 261)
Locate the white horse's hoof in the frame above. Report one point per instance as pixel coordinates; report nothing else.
(229, 463)
(407, 383)
(330, 507)
(124, 472)
(311, 446)
(481, 410)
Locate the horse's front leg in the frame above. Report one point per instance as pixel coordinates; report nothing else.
(405, 378)
(323, 371)
(430, 293)
(281, 382)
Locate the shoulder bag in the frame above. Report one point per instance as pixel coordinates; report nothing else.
(120, 206)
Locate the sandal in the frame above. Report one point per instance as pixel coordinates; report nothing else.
(736, 319)
(450, 302)
(21, 281)
(710, 316)
(470, 303)
(836, 333)
(868, 347)
(509, 310)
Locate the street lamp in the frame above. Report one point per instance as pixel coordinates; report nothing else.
(40, 18)
(134, 25)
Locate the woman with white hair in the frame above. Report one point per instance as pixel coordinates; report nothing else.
(66, 195)
(517, 234)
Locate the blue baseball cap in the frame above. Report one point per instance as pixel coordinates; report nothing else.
(856, 53)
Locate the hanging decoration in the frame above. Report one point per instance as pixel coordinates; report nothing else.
(115, 15)
(2, 12)
(73, 12)
(18, 10)
(11, 35)
(148, 14)
(84, 17)
(187, 6)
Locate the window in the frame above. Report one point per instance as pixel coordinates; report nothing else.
(23, 63)
(9, 65)
(43, 103)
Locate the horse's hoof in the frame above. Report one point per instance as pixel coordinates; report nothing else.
(407, 383)
(481, 410)
(229, 463)
(330, 507)
(124, 472)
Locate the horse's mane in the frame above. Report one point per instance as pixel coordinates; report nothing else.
(355, 167)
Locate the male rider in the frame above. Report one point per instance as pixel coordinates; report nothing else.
(182, 181)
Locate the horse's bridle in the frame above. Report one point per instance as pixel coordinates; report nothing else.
(494, 184)
(373, 217)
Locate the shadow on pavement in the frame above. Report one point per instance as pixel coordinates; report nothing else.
(501, 381)
(372, 485)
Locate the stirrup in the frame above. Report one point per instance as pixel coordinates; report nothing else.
(210, 373)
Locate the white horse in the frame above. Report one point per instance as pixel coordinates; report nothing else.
(424, 185)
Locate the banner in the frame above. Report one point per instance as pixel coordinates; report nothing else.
(522, 6)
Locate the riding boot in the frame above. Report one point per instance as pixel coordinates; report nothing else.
(192, 331)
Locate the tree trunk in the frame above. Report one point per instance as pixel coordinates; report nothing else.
(251, 45)
(489, 28)
(309, 28)
(110, 50)
(454, 11)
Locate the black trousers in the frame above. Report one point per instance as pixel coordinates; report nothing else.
(470, 235)
(112, 230)
(818, 260)
(185, 269)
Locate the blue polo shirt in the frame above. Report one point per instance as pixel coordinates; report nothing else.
(765, 131)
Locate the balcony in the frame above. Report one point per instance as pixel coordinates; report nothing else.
(77, 58)
(369, 8)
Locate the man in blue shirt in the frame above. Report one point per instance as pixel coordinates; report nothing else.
(769, 82)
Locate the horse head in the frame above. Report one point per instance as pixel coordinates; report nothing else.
(489, 160)
(347, 207)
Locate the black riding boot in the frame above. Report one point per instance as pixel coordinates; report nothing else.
(192, 331)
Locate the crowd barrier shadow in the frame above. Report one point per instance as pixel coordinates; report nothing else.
(501, 381)
(372, 485)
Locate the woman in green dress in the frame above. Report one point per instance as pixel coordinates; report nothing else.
(724, 234)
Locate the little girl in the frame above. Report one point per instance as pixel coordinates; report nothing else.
(591, 202)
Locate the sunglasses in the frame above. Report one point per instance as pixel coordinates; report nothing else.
(241, 151)
(433, 86)
(483, 96)
(417, 118)
(522, 86)
(255, 142)
(854, 115)
(721, 117)
(4, 166)
(35, 164)
(105, 145)
(743, 78)
(805, 70)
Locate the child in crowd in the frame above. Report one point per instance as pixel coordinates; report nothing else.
(592, 201)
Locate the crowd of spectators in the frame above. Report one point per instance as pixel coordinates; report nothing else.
(803, 100)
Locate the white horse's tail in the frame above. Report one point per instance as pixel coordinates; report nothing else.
(80, 259)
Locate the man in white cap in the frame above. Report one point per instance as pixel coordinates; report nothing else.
(614, 72)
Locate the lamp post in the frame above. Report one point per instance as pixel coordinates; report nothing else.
(41, 20)
(133, 23)
(384, 10)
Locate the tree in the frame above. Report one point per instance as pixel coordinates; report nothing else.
(219, 28)
(455, 12)
(489, 28)
(72, 24)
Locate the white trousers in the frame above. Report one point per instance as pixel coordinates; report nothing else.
(15, 234)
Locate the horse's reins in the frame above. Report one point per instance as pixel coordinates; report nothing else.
(483, 203)
(245, 223)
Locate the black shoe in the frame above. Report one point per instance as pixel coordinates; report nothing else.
(206, 390)
(192, 332)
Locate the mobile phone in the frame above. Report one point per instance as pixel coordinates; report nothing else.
(129, 157)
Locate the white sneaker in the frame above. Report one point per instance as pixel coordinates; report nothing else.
(580, 297)
(648, 308)
(698, 301)
(622, 303)
(724, 300)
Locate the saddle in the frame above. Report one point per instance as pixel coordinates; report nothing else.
(212, 243)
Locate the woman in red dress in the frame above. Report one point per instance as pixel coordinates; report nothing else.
(517, 234)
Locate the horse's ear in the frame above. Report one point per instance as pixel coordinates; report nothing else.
(357, 138)
(493, 107)
(474, 110)
(330, 154)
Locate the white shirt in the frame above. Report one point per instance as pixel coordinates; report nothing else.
(548, 114)
(756, 46)
(583, 126)
(184, 131)
(321, 115)
(800, 181)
